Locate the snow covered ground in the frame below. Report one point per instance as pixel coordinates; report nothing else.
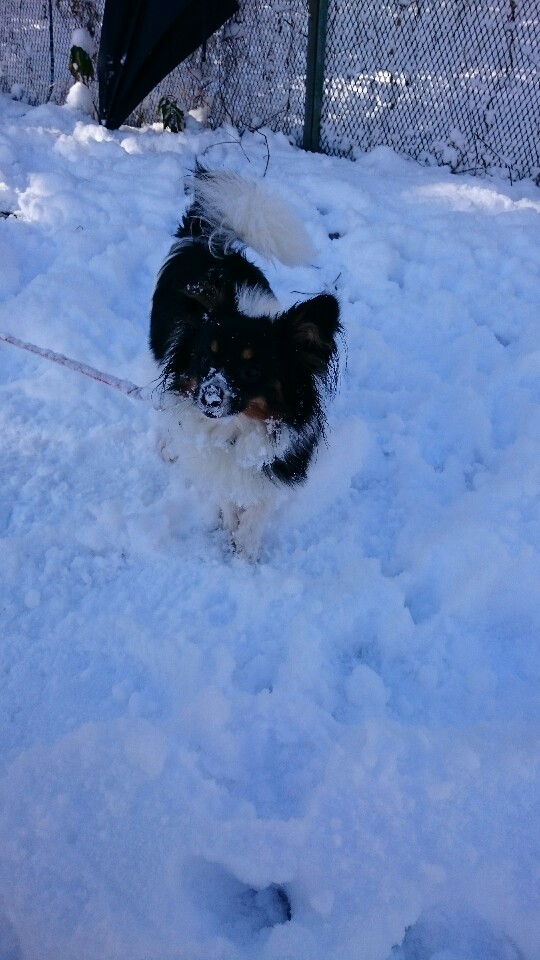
(333, 754)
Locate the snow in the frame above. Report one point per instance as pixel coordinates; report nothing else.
(81, 38)
(192, 745)
(79, 98)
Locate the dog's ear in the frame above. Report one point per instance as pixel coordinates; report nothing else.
(312, 329)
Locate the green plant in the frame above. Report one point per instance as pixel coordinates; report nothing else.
(80, 65)
(172, 116)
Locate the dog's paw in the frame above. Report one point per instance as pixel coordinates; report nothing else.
(229, 515)
(248, 533)
(165, 448)
(248, 551)
(244, 528)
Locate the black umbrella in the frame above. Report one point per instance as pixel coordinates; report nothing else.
(143, 40)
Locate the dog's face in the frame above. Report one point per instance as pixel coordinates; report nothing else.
(267, 368)
(234, 367)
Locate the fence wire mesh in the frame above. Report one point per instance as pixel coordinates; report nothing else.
(35, 40)
(453, 82)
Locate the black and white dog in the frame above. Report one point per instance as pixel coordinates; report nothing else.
(248, 378)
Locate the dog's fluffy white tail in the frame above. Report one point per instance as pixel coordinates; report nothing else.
(235, 208)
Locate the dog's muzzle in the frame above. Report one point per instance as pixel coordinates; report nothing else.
(214, 395)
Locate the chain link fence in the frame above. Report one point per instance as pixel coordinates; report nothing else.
(453, 82)
(35, 40)
(448, 81)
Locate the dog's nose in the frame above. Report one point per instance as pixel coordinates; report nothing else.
(214, 395)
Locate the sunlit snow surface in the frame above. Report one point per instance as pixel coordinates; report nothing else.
(330, 755)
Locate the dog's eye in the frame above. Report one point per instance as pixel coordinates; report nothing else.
(250, 373)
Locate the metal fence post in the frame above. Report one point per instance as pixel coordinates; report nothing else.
(51, 51)
(318, 13)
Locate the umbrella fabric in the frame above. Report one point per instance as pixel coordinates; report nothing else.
(143, 40)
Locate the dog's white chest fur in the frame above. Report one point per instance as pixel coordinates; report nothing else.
(224, 458)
